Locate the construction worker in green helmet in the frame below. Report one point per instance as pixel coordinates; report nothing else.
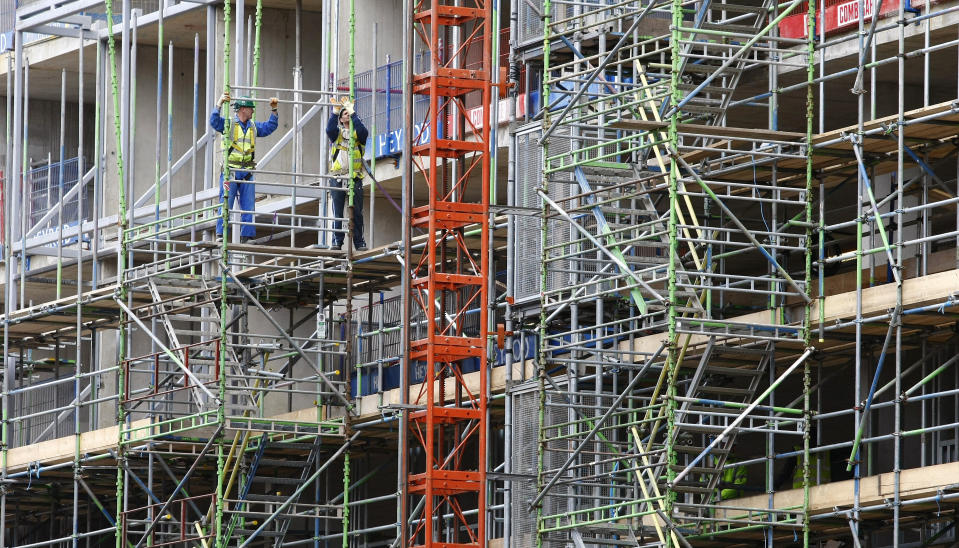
(241, 158)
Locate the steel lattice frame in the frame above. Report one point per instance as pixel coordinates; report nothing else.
(449, 279)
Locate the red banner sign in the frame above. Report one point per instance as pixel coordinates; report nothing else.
(841, 16)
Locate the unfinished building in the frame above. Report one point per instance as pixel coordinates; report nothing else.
(640, 273)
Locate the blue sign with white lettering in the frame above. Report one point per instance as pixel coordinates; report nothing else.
(391, 143)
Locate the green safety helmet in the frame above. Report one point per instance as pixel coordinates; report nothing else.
(243, 102)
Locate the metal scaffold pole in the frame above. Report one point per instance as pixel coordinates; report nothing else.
(13, 95)
(404, 447)
(120, 135)
(225, 205)
(807, 321)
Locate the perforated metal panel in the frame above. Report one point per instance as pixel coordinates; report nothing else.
(528, 239)
(528, 263)
(36, 402)
(656, 23)
(530, 22)
(559, 499)
(525, 441)
(558, 231)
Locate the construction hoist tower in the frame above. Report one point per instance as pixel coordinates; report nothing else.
(449, 276)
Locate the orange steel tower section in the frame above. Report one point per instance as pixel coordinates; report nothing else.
(450, 279)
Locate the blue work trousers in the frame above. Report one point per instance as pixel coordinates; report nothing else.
(247, 195)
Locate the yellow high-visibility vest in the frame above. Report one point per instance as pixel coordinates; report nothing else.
(825, 470)
(242, 146)
(338, 151)
(733, 479)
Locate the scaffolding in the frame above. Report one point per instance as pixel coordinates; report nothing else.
(231, 423)
(665, 212)
(637, 241)
(669, 273)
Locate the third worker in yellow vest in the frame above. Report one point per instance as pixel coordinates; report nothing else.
(732, 483)
(818, 459)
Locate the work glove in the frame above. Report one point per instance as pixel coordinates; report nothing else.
(274, 102)
(225, 98)
(345, 104)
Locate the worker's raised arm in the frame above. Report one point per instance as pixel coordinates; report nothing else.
(362, 134)
(265, 128)
(332, 131)
(216, 121)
